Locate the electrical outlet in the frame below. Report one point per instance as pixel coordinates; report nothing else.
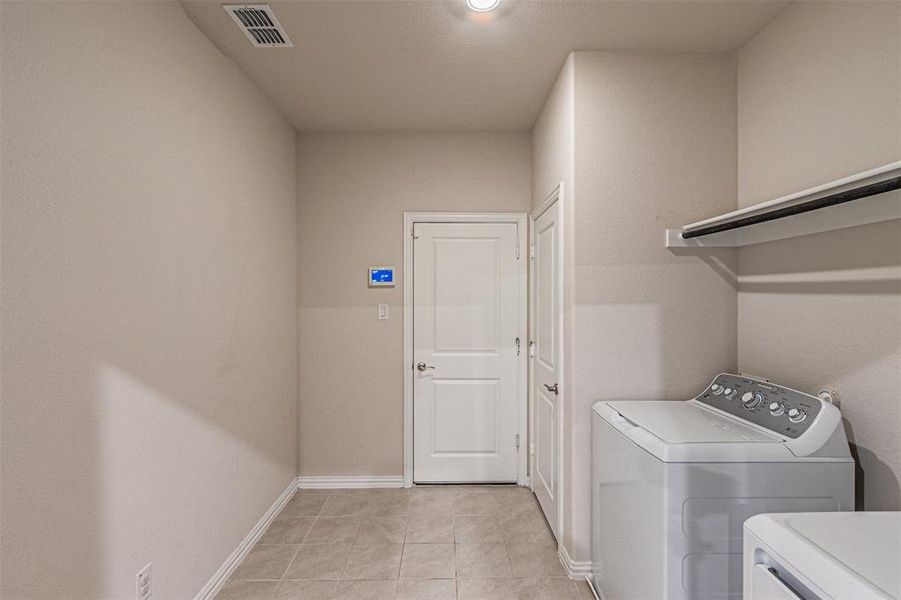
(143, 587)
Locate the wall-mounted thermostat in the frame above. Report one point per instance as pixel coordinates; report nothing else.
(381, 276)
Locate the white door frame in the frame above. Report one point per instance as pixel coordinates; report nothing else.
(555, 196)
(522, 224)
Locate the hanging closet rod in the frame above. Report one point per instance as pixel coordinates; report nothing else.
(864, 191)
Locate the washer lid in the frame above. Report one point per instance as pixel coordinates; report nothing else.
(686, 432)
(869, 544)
(689, 423)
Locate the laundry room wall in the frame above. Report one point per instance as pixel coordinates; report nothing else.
(352, 192)
(653, 146)
(553, 165)
(149, 301)
(819, 98)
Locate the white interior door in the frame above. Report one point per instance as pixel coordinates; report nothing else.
(466, 314)
(545, 324)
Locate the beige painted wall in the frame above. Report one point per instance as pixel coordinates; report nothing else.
(352, 192)
(148, 303)
(819, 98)
(553, 164)
(653, 145)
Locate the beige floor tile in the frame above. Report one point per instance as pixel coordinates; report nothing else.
(526, 529)
(389, 506)
(426, 589)
(477, 530)
(342, 505)
(381, 530)
(479, 489)
(430, 529)
(366, 590)
(482, 560)
(389, 494)
(474, 504)
(287, 530)
(510, 490)
(427, 561)
(265, 562)
(306, 590)
(247, 590)
(535, 560)
(373, 561)
(367, 538)
(319, 561)
(436, 490)
(432, 504)
(547, 588)
(333, 530)
(510, 503)
(516, 589)
(486, 589)
(304, 505)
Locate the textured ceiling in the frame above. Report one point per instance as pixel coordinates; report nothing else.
(433, 65)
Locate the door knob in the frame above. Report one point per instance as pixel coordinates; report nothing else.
(422, 367)
(552, 388)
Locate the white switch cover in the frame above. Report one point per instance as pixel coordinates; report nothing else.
(383, 312)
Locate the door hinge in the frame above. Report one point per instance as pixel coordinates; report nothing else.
(531, 250)
(531, 349)
(517, 441)
(517, 346)
(532, 449)
(516, 249)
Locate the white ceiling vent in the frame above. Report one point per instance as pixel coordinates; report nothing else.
(259, 24)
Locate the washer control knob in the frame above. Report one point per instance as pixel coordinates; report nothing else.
(717, 389)
(796, 415)
(747, 397)
(776, 408)
(731, 394)
(756, 400)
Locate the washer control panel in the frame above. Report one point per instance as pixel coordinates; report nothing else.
(783, 411)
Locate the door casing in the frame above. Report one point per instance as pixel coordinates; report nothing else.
(522, 224)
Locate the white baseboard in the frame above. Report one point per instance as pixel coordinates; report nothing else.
(216, 582)
(576, 569)
(312, 482)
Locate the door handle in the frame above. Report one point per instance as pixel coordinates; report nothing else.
(552, 388)
(422, 367)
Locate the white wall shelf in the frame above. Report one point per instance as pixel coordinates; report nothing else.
(868, 197)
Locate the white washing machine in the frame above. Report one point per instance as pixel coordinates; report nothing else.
(673, 482)
(823, 556)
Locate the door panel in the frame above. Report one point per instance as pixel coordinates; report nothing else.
(545, 333)
(466, 306)
(465, 416)
(466, 296)
(546, 440)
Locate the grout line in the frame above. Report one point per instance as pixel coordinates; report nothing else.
(290, 562)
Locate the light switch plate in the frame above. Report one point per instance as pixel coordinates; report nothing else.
(383, 312)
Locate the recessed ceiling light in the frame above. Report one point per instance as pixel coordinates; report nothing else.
(482, 5)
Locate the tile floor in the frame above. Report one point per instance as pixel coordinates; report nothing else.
(425, 543)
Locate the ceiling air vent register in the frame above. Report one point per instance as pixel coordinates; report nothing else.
(259, 24)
